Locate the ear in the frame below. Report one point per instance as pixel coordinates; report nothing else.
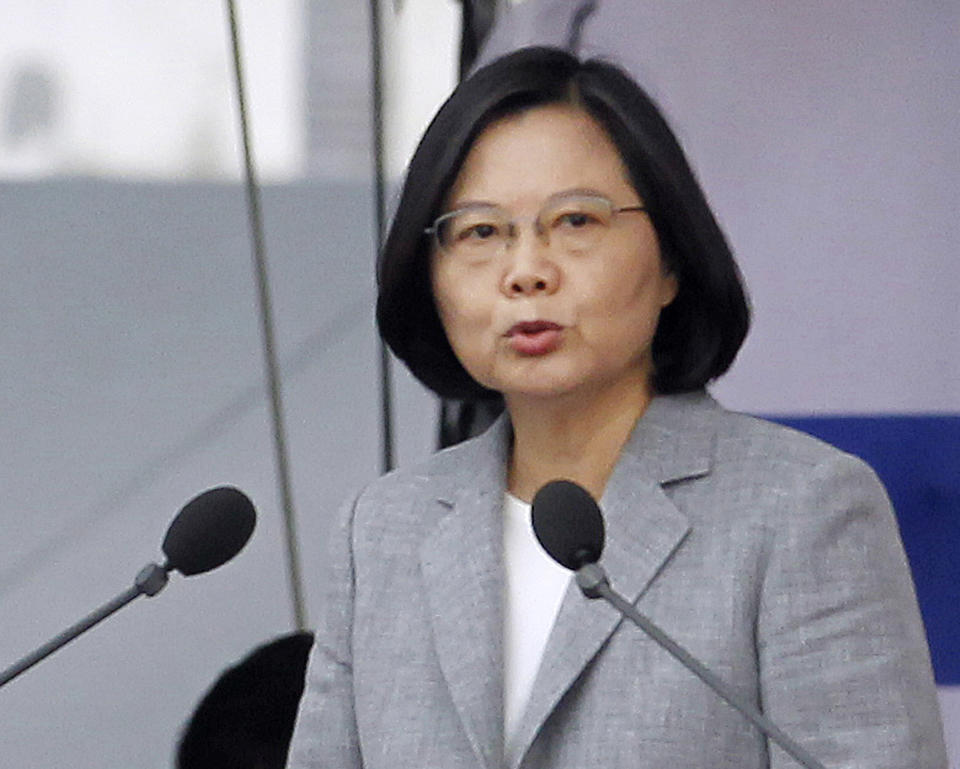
(669, 287)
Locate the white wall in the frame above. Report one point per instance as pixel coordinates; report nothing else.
(146, 89)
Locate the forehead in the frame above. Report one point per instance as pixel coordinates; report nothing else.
(523, 159)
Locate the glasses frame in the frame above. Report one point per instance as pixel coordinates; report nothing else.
(434, 229)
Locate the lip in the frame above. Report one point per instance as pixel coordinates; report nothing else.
(533, 327)
(535, 337)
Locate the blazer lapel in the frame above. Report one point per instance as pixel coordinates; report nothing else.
(461, 562)
(643, 529)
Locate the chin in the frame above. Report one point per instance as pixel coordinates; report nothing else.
(542, 388)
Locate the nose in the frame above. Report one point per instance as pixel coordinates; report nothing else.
(530, 268)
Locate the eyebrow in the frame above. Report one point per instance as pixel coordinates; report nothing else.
(567, 193)
(466, 205)
(579, 192)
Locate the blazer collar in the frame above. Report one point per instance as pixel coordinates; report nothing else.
(672, 441)
(461, 561)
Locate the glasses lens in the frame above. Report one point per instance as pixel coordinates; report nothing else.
(577, 223)
(473, 232)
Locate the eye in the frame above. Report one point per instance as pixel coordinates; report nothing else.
(477, 231)
(575, 219)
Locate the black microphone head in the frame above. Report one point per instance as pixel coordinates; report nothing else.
(568, 524)
(209, 530)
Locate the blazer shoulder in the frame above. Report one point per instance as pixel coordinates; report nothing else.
(788, 464)
(439, 476)
(698, 423)
(743, 436)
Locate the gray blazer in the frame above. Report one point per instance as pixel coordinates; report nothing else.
(772, 557)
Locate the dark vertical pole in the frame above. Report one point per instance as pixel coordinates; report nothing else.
(266, 328)
(376, 88)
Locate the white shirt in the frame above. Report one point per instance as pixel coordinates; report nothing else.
(534, 588)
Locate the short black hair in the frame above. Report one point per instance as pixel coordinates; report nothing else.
(699, 333)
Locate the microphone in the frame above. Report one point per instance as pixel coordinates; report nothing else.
(569, 525)
(207, 532)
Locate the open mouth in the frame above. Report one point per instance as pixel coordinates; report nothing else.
(532, 327)
(535, 337)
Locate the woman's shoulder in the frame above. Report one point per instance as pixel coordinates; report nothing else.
(795, 467)
(440, 475)
(758, 444)
(760, 471)
(759, 438)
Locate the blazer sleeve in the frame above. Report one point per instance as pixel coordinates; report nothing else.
(844, 662)
(325, 733)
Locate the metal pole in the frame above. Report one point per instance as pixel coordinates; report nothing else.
(266, 327)
(376, 89)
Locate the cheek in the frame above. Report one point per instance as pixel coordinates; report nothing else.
(462, 312)
(625, 306)
(627, 288)
(468, 331)
(443, 299)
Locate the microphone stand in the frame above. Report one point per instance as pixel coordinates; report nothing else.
(593, 582)
(151, 580)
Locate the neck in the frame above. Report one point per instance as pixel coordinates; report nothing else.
(577, 438)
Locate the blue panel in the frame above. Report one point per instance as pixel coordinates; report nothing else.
(918, 458)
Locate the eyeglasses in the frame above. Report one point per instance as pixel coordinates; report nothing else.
(568, 223)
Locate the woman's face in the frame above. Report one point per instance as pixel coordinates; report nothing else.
(544, 316)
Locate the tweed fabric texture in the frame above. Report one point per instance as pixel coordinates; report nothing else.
(772, 557)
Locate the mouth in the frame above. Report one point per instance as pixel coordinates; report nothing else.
(535, 337)
(533, 327)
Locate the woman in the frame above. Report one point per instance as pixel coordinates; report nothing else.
(552, 246)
